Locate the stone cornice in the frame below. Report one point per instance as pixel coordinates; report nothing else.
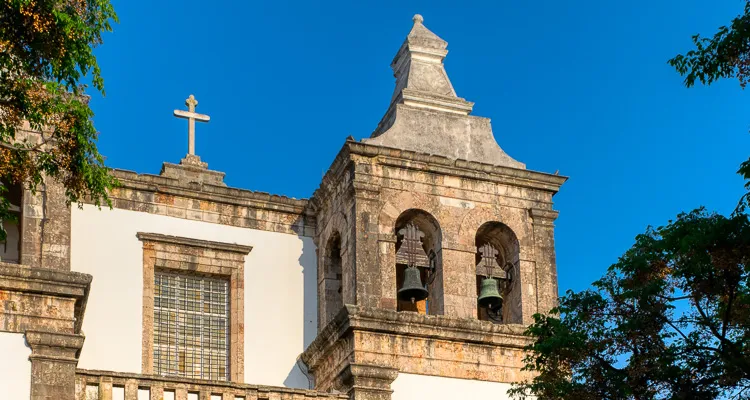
(44, 281)
(183, 241)
(54, 346)
(67, 284)
(207, 192)
(460, 168)
(56, 340)
(435, 164)
(408, 324)
(543, 216)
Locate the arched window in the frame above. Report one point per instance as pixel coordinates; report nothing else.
(10, 247)
(497, 258)
(333, 300)
(418, 246)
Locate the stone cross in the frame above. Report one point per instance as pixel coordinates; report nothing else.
(191, 116)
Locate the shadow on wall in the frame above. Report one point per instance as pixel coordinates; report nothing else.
(297, 377)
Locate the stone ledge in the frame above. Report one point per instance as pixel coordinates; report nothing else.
(58, 347)
(43, 281)
(415, 343)
(205, 244)
(549, 181)
(50, 339)
(65, 284)
(133, 180)
(408, 159)
(210, 203)
(543, 217)
(416, 325)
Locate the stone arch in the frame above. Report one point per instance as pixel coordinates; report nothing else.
(515, 219)
(504, 240)
(331, 285)
(404, 201)
(392, 208)
(335, 277)
(431, 244)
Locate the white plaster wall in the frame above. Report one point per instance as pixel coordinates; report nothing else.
(410, 387)
(280, 291)
(9, 248)
(15, 367)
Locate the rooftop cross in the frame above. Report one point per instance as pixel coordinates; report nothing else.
(191, 116)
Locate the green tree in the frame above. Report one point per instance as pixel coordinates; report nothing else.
(46, 52)
(670, 319)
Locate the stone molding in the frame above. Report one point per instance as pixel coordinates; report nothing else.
(130, 179)
(44, 281)
(22, 286)
(544, 217)
(163, 195)
(191, 256)
(433, 164)
(460, 168)
(183, 241)
(414, 343)
(60, 347)
(368, 382)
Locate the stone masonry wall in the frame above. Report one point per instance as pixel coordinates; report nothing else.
(386, 182)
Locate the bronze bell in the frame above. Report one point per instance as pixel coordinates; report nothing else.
(489, 295)
(412, 290)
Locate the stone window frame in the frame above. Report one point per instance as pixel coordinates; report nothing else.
(201, 257)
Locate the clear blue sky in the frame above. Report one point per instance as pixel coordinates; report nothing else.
(581, 87)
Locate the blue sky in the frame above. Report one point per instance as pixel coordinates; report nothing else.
(580, 87)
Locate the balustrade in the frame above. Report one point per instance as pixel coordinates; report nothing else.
(106, 385)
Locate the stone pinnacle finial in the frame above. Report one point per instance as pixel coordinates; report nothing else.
(418, 19)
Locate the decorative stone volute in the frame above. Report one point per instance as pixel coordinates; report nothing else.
(426, 115)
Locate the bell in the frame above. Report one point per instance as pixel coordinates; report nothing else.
(412, 290)
(489, 295)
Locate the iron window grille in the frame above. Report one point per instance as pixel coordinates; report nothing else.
(191, 326)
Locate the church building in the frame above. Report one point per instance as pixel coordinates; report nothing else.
(411, 272)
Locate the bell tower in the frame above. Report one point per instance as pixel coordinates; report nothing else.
(435, 247)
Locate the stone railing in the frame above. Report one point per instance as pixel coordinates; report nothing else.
(106, 385)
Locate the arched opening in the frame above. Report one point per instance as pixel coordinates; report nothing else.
(10, 245)
(418, 245)
(333, 300)
(497, 257)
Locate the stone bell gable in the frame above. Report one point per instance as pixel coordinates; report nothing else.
(430, 164)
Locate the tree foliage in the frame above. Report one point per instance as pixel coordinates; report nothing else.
(724, 55)
(46, 52)
(669, 320)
